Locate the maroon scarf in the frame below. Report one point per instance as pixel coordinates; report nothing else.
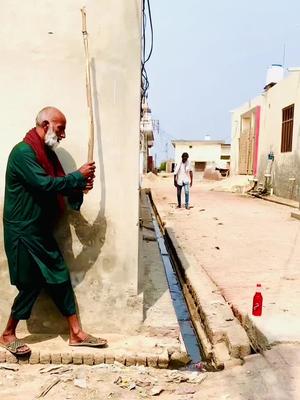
(47, 159)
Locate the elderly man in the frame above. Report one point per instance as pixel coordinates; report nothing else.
(34, 199)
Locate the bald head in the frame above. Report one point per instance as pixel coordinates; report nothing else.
(51, 125)
(49, 114)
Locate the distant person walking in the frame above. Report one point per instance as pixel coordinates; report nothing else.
(183, 177)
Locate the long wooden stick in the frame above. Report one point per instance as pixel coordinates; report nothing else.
(88, 87)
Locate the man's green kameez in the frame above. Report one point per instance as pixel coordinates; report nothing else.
(30, 210)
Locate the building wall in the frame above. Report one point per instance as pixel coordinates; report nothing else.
(40, 68)
(286, 166)
(209, 153)
(236, 129)
(225, 150)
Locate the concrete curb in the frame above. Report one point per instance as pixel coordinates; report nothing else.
(295, 215)
(227, 339)
(162, 360)
(278, 200)
(258, 340)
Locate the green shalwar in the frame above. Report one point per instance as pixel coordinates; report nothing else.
(30, 210)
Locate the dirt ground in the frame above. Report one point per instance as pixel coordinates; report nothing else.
(239, 241)
(257, 379)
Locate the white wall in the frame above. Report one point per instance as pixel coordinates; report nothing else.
(286, 166)
(236, 128)
(39, 69)
(205, 152)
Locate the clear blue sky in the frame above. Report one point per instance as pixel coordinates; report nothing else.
(211, 56)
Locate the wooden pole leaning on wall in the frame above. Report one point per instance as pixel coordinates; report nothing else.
(88, 87)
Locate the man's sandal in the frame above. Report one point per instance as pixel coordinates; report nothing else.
(91, 341)
(14, 346)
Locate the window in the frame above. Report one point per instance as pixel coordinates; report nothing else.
(225, 157)
(287, 129)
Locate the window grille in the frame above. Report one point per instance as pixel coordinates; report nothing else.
(287, 129)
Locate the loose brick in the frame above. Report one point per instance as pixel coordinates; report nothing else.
(179, 359)
(141, 360)
(34, 357)
(24, 360)
(45, 358)
(56, 358)
(77, 358)
(10, 358)
(99, 359)
(88, 359)
(121, 359)
(163, 360)
(2, 356)
(152, 361)
(109, 359)
(220, 354)
(130, 360)
(66, 358)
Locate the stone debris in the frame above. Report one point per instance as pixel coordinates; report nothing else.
(102, 365)
(57, 369)
(132, 386)
(80, 382)
(118, 364)
(143, 383)
(177, 377)
(9, 367)
(185, 390)
(156, 391)
(194, 377)
(124, 383)
(47, 387)
(197, 378)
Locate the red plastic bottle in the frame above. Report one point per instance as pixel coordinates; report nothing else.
(257, 302)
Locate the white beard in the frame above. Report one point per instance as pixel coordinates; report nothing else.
(51, 139)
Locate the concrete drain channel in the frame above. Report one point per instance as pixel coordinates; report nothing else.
(183, 302)
(211, 332)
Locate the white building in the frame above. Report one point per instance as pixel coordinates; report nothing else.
(203, 153)
(146, 138)
(266, 137)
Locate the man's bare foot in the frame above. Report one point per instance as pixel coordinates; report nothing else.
(13, 344)
(77, 337)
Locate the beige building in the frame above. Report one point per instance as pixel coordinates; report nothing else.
(203, 153)
(244, 137)
(146, 138)
(43, 64)
(272, 123)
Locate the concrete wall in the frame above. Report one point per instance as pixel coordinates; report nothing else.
(40, 68)
(225, 150)
(209, 152)
(286, 166)
(236, 129)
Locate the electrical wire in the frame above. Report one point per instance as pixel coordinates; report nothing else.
(146, 10)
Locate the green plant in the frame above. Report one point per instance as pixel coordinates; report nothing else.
(163, 166)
